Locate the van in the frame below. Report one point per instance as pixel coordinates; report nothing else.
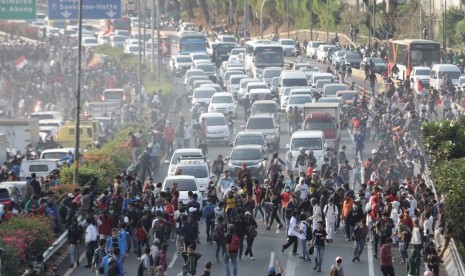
(320, 76)
(41, 167)
(55, 154)
(313, 140)
(113, 95)
(439, 70)
(99, 109)
(292, 78)
(312, 47)
(7, 189)
(66, 136)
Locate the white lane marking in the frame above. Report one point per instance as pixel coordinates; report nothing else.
(371, 268)
(291, 264)
(271, 259)
(175, 256)
(277, 230)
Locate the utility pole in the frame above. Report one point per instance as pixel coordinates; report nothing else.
(430, 29)
(78, 99)
(421, 22)
(311, 19)
(139, 90)
(287, 11)
(444, 26)
(245, 20)
(261, 18)
(152, 26)
(145, 26)
(327, 21)
(158, 43)
(374, 20)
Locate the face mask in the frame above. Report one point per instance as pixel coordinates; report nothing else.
(137, 197)
(111, 212)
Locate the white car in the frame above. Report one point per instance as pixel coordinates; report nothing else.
(298, 100)
(199, 56)
(185, 184)
(197, 167)
(322, 52)
(117, 41)
(178, 154)
(243, 86)
(235, 52)
(89, 42)
(180, 63)
(288, 45)
(132, 49)
(44, 115)
(217, 128)
(202, 95)
(222, 102)
(234, 82)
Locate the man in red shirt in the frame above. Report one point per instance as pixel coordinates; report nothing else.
(169, 138)
(386, 258)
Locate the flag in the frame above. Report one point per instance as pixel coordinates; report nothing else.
(419, 86)
(21, 62)
(364, 93)
(107, 32)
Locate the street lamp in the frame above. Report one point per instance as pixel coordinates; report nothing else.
(261, 18)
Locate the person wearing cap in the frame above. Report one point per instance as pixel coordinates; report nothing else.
(272, 270)
(336, 268)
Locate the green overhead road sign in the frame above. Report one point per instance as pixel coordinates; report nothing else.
(17, 9)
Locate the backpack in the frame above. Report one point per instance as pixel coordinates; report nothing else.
(136, 142)
(334, 271)
(160, 231)
(308, 232)
(112, 267)
(234, 246)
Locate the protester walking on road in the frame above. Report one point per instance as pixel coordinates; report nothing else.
(190, 259)
(386, 259)
(359, 237)
(292, 235)
(337, 269)
(319, 237)
(231, 251)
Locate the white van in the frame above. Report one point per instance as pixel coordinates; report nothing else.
(292, 78)
(309, 140)
(312, 47)
(217, 128)
(439, 70)
(41, 167)
(55, 154)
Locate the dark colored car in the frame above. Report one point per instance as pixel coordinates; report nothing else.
(253, 155)
(379, 67)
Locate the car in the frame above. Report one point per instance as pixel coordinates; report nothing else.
(269, 73)
(9, 188)
(117, 41)
(254, 156)
(320, 76)
(298, 101)
(190, 82)
(423, 73)
(55, 154)
(113, 95)
(331, 89)
(274, 86)
(226, 38)
(41, 167)
(52, 32)
(338, 56)
(208, 68)
(44, 115)
(180, 63)
(222, 51)
(197, 167)
(460, 83)
(250, 138)
(199, 56)
(353, 59)
(211, 47)
(312, 47)
(202, 95)
(231, 66)
(347, 96)
(286, 93)
(380, 65)
(268, 125)
(185, 184)
(57, 123)
(267, 107)
(256, 85)
(199, 83)
(288, 45)
(178, 154)
(187, 26)
(215, 86)
(322, 52)
(222, 102)
(308, 140)
(234, 82)
(301, 65)
(224, 80)
(122, 32)
(338, 100)
(217, 128)
(89, 42)
(132, 49)
(131, 41)
(235, 53)
(243, 86)
(191, 73)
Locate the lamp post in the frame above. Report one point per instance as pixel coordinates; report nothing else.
(311, 19)
(139, 90)
(261, 18)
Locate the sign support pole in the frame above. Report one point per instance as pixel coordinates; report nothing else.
(78, 98)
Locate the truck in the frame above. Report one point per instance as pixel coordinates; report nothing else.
(101, 109)
(324, 117)
(3, 151)
(20, 133)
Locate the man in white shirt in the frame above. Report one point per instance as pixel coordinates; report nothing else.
(303, 190)
(331, 213)
(187, 135)
(225, 182)
(317, 215)
(292, 235)
(91, 240)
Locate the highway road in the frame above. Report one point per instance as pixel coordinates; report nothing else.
(267, 245)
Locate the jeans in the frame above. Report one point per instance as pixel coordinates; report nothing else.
(291, 240)
(140, 245)
(305, 255)
(233, 258)
(146, 169)
(241, 244)
(258, 207)
(387, 270)
(348, 230)
(403, 248)
(274, 216)
(359, 151)
(267, 208)
(73, 253)
(248, 251)
(319, 255)
(155, 164)
(91, 246)
(218, 247)
(210, 225)
(358, 247)
(169, 148)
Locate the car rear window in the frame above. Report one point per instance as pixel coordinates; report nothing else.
(183, 184)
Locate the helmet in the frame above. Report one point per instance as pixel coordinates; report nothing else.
(310, 152)
(374, 151)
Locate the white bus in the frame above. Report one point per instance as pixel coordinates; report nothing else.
(262, 53)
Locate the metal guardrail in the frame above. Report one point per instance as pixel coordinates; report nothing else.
(458, 267)
(56, 245)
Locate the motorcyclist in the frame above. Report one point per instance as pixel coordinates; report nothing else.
(247, 106)
(230, 120)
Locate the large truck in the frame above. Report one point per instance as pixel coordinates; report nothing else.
(325, 117)
(20, 133)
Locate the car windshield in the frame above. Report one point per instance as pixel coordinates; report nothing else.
(42, 116)
(352, 56)
(306, 143)
(301, 99)
(184, 59)
(204, 93)
(235, 52)
(260, 123)
(319, 124)
(246, 154)
(178, 155)
(264, 108)
(183, 184)
(376, 61)
(54, 155)
(133, 48)
(235, 80)
(268, 74)
(320, 84)
(206, 67)
(200, 57)
(91, 40)
(329, 100)
(452, 75)
(347, 96)
(295, 82)
(250, 140)
(216, 121)
(119, 38)
(275, 81)
(332, 90)
(195, 171)
(113, 95)
(423, 72)
(287, 42)
(222, 99)
(229, 39)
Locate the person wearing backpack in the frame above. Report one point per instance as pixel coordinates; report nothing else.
(292, 234)
(336, 269)
(240, 228)
(305, 235)
(159, 228)
(146, 262)
(232, 250)
(208, 215)
(251, 226)
(218, 236)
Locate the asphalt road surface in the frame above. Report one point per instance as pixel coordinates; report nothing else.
(267, 245)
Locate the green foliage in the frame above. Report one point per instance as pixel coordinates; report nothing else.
(449, 177)
(10, 261)
(453, 17)
(103, 170)
(444, 140)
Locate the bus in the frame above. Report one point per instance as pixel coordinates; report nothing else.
(189, 42)
(262, 53)
(408, 53)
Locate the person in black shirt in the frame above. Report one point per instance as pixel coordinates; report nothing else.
(319, 237)
(35, 184)
(274, 211)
